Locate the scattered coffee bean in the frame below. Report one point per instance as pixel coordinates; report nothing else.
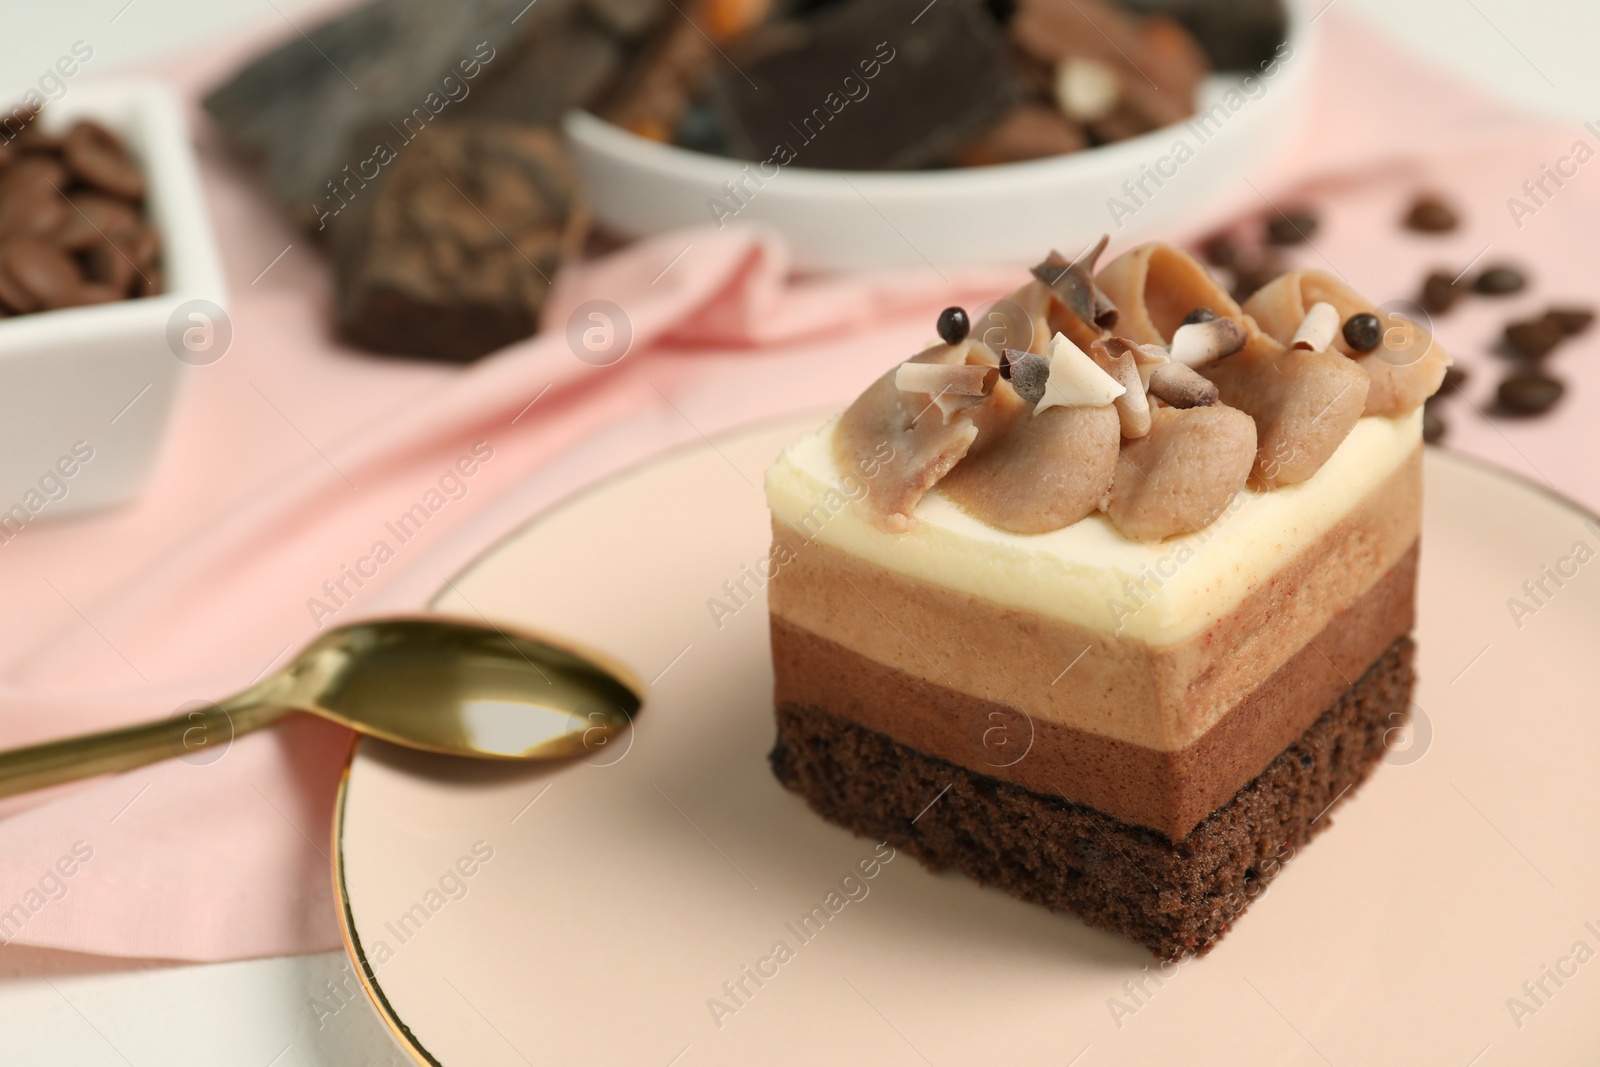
(1430, 214)
(1199, 315)
(1252, 271)
(953, 325)
(1499, 281)
(1220, 251)
(1453, 377)
(1528, 392)
(1571, 320)
(1363, 331)
(1533, 338)
(1439, 293)
(1292, 228)
(1433, 424)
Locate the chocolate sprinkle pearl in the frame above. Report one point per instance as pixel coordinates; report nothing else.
(1292, 228)
(1499, 281)
(1433, 424)
(1363, 331)
(1534, 338)
(953, 325)
(1439, 292)
(1529, 393)
(1199, 315)
(1429, 214)
(1572, 321)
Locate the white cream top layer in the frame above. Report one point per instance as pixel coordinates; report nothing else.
(1085, 574)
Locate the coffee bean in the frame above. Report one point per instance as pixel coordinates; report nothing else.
(1291, 228)
(1439, 293)
(1363, 331)
(1533, 338)
(1199, 315)
(1570, 320)
(1433, 424)
(94, 154)
(48, 274)
(1499, 281)
(1220, 251)
(1251, 271)
(1528, 392)
(1453, 377)
(1429, 214)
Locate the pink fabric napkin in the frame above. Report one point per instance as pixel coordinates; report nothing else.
(286, 459)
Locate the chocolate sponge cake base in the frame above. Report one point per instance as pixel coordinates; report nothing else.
(1174, 897)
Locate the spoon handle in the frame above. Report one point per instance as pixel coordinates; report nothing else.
(201, 736)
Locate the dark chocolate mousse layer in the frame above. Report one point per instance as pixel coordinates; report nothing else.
(1174, 898)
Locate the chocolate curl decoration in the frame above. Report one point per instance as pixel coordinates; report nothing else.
(1073, 284)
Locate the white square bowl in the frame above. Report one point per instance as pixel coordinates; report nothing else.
(99, 381)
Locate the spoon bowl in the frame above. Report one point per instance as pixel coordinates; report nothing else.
(441, 685)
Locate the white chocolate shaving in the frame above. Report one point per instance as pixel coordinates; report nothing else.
(1200, 343)
(1075, 380)
(960, 379)
(1317, 329)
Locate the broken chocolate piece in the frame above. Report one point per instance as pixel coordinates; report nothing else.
(1027, 372)
(1074, 285)
(1075, 380)
(801, 87)
(454, 254)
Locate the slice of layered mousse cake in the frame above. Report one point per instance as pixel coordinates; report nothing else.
(1106, 600)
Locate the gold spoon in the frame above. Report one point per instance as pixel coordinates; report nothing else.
(441, 685)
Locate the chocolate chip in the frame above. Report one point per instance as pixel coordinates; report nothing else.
(1528, 392)
(1439, 292)
(1499, 280)
(1534, 338)
(95, 155)
(1429, 214)
(1220, 251)
(1363, 331)
(1571, 320)
(1453, 377)
(954, 325)
(1433, 424)
(1199, 315)
(1292, 228)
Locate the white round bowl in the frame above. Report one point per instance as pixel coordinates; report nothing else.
(843, 220)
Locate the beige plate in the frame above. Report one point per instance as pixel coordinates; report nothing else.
(608, 903)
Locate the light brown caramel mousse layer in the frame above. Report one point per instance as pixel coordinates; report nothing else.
(1158, 736)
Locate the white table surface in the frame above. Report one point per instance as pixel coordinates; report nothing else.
(61, 1009)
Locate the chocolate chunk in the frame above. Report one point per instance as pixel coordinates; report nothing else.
(1029, 131)
(1534, 338)
(1292, 228)
(312, 111)
(866, 85)
(1363, 331)
(1499, 280)
(1571, 320)
(1528, 392)
(1430, 214)
(454, 254)
(1197, 316)
(954, 325)
(1453, 378)
(1433, 424)
(1439, 292)
(96, 157)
